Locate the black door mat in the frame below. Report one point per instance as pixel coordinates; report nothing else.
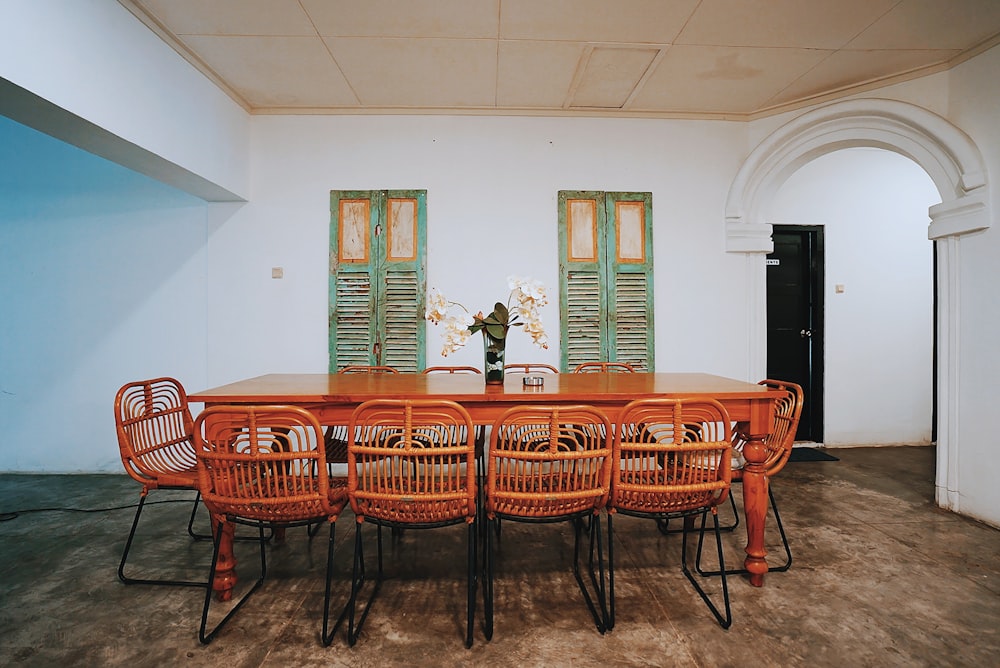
(811, 455)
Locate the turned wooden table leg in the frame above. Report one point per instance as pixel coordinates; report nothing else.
(755, 509)
(225, 568)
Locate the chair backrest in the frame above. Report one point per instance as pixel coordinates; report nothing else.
(530, 368)
(548, 461)
(452, 369)
(154, 427)
(784, 424)
(412, 461)
(263, 463)
(604, 367)
(671, 455)
(361, 368)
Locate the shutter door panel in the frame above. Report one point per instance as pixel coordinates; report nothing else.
(630, 283)
(401, 309)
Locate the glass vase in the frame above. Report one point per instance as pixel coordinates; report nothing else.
(493, 355)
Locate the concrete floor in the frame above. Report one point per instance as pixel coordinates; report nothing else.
(881, 577)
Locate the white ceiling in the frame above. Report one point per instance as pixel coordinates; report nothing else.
(669, 58)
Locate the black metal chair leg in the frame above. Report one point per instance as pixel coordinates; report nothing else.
(781, 530)
(357, 580)
(471, 582)
(194, 512)
(204, 637)
(128, 546)
(488, 580)
(578, 530)
(328, 633)
(725, 621)
(610, 621)
(742, 571)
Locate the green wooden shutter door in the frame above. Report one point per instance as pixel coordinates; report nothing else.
(605, 278)
(377, 289)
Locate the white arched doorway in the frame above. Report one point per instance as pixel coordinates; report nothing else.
(953, 163)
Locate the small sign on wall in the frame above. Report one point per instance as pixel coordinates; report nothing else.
(769, 262)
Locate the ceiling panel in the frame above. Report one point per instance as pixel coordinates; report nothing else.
(610, 76)
(231, 17)
(412, 18)
(276, 71)
(724, 79)
(932, 24)
(847, 68)
(646, 21)
(409, 73)
(523, 83)
(781, 23)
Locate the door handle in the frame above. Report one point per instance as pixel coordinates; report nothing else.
(806, 333)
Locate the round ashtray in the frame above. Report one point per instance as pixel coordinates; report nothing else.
(533, 381)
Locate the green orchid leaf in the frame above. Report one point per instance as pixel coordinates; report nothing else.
(501, 313)
(496, 331)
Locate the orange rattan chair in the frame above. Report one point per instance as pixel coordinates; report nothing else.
(672, 460)
(604, 367)
(452, 369)
(530, 368)
(480, 429)
(336, 436)
(154, 425)
(263, 466)
(362, 368)
(550, 464)
(778, 445)
(411, 464)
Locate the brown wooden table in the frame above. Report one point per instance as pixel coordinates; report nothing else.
(332, 397)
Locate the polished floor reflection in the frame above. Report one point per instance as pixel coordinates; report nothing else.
(881, 577)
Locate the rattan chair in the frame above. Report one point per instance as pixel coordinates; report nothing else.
(530, 368)
(411, 464)
(154, 425)
(452, 369)
(336, 435)
(263, 466)
(550, 464)
(364, 368)
(672, 460)
(480, 430)
(778, 444)
(604, 367)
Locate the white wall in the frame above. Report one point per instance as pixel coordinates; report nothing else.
(101, 282)
(974, 103)
(492, 185)
(879, 331)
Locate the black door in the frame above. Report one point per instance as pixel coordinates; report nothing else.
(795, 318)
